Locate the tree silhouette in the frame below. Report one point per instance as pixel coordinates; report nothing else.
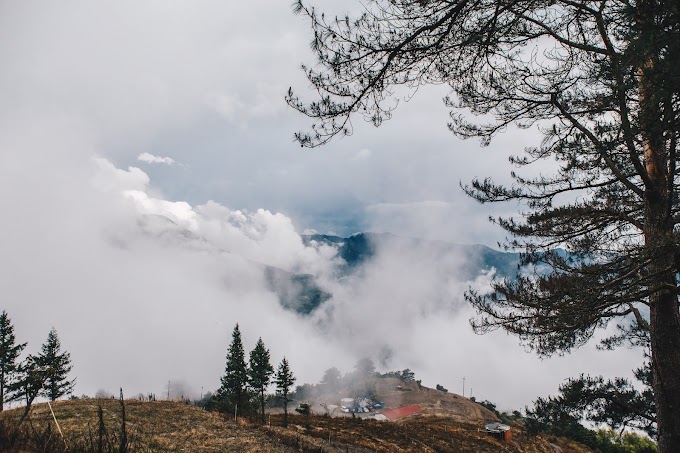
(56, 366)
(260, 372)
(284, 381)
(232, 396)
(601, 81)
(27, 383)
(9, 353)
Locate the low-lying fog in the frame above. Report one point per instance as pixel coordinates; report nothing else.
(144, 290)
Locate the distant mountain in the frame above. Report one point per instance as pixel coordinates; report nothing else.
(360, 248)
(302, 293)
(297, 292)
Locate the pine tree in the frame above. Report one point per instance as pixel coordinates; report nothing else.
(56, 365)
(9, 352)
(232, 396)
(600, 81)
(27, 383)
(260, 372)
(284, 381)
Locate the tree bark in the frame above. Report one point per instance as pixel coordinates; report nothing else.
(664, 328)
(659, 241)
(262, 405)
(663, 301)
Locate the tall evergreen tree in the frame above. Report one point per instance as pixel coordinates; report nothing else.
(600, 80)
(260, 372)
(284, 382)
(27, 383)
(232, 396)
(9, 353)
(57, 366)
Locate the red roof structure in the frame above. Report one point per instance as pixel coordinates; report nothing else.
(401, 412)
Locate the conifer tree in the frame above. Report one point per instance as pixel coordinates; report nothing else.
(233, 396)
(9, 352)
(56, 365)
(600, 81)
(27, 383)
(260, 372)
(284, 381)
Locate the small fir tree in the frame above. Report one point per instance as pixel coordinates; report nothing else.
(56, 366)
(27, 383)
(260, 372)
(9, 352)
(306, 411)
(233, 396)
(284, 382)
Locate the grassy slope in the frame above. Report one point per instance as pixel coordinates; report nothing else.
(169, 426)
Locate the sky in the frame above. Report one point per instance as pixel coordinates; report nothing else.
(148, 169)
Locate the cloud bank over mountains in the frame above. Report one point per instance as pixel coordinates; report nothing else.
(121, 121)
(144, 290)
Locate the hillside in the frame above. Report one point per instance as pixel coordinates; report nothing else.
(170, 426)
(303, 293)
(395, 392)
(156, 426)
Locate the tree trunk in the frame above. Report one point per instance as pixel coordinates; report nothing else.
(659, 238)
(665, 343)
(262, 403)
(664, 317)
(285, 411)
(665, 347)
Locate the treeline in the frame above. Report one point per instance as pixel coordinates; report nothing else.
(619, 410)
(359, 383)
(243, 390)
(43, 374)
(614, 403)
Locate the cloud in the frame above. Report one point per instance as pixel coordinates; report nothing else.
(406, 309)
(145, 272)
(144, 289)
(436, 219)
(151, 159)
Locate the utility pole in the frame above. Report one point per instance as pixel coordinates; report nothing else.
(168, 390)
(463, 386)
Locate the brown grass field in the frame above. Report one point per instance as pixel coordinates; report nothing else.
(165, 426)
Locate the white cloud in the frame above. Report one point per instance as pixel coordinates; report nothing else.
(108, 178)
(143, 286)
(437, 219)
(151, 159)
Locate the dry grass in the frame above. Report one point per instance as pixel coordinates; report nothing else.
(169, 426)
(424, 434)
(157, 426)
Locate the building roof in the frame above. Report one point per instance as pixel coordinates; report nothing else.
(401, 412)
